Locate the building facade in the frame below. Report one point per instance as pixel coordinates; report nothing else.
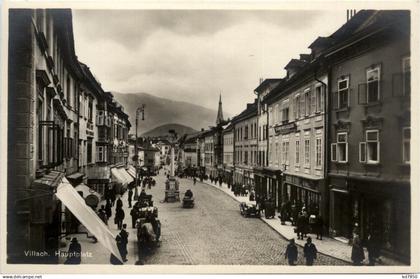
(228, 153)
(245, 145)
(44, 78)
(369, 162)
(265, 176)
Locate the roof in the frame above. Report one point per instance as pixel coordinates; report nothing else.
(267, 83)
(320, 42)
(295, 63)
(250, 111)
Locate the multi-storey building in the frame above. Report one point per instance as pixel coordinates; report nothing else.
(189, 152)
(43, 84)
(209, 159)
(369, 160)
(245, 145)
(263, 174)
(228, 153)
(55, 107)
(296, 135)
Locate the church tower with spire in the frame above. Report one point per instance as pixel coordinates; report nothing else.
(219, 118)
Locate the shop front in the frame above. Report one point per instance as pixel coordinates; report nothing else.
(303, 192)
(366, 206)
(267, 184)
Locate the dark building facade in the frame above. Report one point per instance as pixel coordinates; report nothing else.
(369, 160)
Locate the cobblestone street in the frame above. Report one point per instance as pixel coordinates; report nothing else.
(214, 232)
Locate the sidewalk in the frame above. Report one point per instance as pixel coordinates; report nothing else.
(327, 246)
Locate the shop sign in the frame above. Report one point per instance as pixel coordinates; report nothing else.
(286, 128)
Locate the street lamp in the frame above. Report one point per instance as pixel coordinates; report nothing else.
(138, 111)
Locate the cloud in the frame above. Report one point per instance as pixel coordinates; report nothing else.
(194, 55)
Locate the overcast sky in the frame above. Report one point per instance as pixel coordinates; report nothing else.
(195, 55)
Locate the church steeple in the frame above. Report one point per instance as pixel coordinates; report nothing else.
(219, 118)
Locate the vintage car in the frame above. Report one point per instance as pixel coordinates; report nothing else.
(148, 232)
(188, 202)
(249, 210)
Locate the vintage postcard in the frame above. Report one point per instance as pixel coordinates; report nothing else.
(209, 138)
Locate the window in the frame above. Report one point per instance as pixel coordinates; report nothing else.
(285, 155)
(406, 144)
(277, 153)
(270, 116)
(297, 152)
(319, 96)
(372, 77)
(307, 102)
(307, 152)
(89, 151)
(318, 152)
(90, 110)
(68, 90)
(246, 132)
(100, 151)
(343, 93)
(334, 152)
(339, 150)
(406, 70)
(297, 106)
(276, 115)
(362, 152)
(372, 146)
(100, 118)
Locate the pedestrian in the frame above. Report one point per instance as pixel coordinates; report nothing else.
(357, 252)
(195, 180)
(130, 197)
(124, 242)
(134, 216)
(119, 203)
(108, 209)
(114, 260)
(74, 252)
(102, 215)
(300, 224)
(291, 252)
(119, 217)
(309, 251)
(373, 247)
(305, 222)
(113, 195)
(319, 226)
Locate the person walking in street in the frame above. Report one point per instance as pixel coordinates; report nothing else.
(124, 242)
(74, 252)
(108, 209)
(102, 215)
(300, 224)
(195, 180)
(114, 260)
(319, 226)
(309, 251)
(373, 247)
(119, 217)
(112, 196)
(357, 252)
(291, 252)
(130, 197)
(134, 216)
(119, 203)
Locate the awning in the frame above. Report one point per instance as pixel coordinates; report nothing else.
(128, 178)
(117, 176)
(132, 171)
(75, 203)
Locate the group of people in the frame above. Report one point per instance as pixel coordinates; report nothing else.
(373, 248)
(309, 252)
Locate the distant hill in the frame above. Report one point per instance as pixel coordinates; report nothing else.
(160, 111)
(163, 130)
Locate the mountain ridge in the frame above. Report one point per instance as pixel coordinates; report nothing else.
(161, 111)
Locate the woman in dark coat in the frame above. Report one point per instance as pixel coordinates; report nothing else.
(291, 252)
(374, 248)
(357, 253)
(309, 251)
(119, 217)
(108, 209)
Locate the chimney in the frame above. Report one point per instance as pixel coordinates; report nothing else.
(350, 14)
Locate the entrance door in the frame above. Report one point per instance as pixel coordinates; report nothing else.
(342, 215)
